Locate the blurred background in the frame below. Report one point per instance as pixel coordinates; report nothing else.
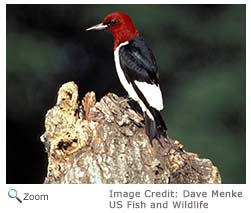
(200, 51)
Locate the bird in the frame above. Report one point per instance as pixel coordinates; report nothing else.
(137, 71)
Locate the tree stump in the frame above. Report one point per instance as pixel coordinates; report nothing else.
(105, 142)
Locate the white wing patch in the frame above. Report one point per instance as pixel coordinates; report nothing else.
(152, 94)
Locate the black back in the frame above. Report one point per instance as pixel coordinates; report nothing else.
(138, 62)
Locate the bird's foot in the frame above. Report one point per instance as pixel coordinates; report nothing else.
(127, 99)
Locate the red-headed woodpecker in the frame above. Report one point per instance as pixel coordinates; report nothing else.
(137, 70)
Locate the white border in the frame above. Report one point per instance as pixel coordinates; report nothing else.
(248, 95)
(126, 2)
(94, 197)
(3, 95)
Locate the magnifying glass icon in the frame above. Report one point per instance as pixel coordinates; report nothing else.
(13, 194)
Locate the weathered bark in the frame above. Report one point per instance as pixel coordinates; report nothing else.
(104, 142)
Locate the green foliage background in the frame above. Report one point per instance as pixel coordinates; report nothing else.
(200, 50)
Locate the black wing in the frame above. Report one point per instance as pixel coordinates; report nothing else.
(138, 62)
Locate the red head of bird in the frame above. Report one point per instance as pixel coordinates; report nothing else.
(120, 25)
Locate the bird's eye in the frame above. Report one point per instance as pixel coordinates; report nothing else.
(113, 22)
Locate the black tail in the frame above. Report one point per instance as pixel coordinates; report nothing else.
(155, 128)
